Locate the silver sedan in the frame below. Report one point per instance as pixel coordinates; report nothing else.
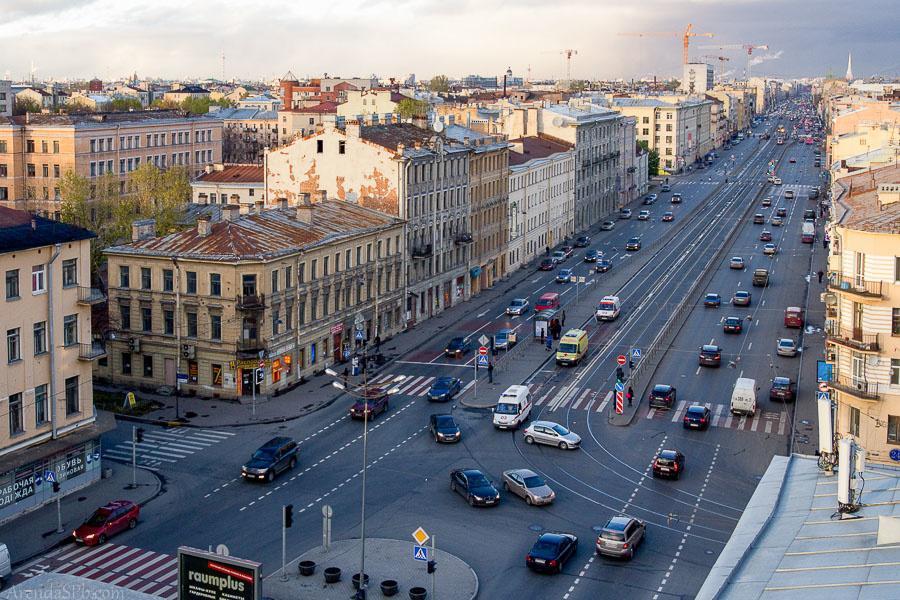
(553, 434)
(527, 484)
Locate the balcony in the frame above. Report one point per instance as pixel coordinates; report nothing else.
(423, 251)
(251, 302)
(855, 285)
(93, 351)
(89, 296)
(856, 387)
(250, 344)
(854, 339)
(463, 238)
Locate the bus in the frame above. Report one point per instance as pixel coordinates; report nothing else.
(808, 234)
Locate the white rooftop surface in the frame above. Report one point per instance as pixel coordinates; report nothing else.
(57, 586)
(807, 551)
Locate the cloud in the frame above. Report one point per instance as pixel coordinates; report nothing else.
(13, 10)
(761, 58)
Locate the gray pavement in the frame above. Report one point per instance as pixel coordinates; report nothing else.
(386, 559)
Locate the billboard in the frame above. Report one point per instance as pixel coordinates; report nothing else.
(204, 575)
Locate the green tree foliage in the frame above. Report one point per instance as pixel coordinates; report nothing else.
(75, 192)
(173, 192)
(439, 83)
(652, 160)
(26, 105)
(410, 107)
(124, 104)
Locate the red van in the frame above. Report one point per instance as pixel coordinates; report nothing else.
(793, 316)
(548, 301)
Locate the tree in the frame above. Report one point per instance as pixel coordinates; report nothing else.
(26, 105)
(652, 159)
(124, 104)
(143, 183)
(75, 192)
(172, 193)
(410, 107)
(439, 83)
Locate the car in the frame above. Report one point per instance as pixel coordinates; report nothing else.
(789, 195)
(444, 389)
(568, 250)
(759, 219)
(770, 179)
(529, 486)
(668, 463)
(552, 434)
(504, 339)
(696, 417)
(106, 521)
(592, 256)
(551, 551)
(712, 300)
(733, 325)
(767, 202)
(736, 262)
(633, 244)
(644, 215)
(676, 198)
(625, 213)
(783, 389)
(519, 306)
(559, 256)
(458, 347)
(786, 347)
(444, 429)
(777, 181)
(741, 298)
(781, 211)
(770, 249)
(777, 221)
(620, 537)
(603, 265)
(668, 217)
(792, 160)
(665, 188)
(472, 485)
(710, 355)
(374, 403)
(547, 264)
(275, 456)
(650, 199)
(582, 241)
(663, 396)
(607, 225)
(765, 236)
(563, 275)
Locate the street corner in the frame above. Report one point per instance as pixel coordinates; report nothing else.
(393, 567)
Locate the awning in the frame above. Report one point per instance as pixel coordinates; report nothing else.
(475, 271)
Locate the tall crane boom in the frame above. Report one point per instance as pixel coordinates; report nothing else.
(685, 36)
(749, 48)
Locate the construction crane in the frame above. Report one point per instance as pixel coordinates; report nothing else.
(722, 60)
(568, 53)
(749, 48)
(686, 36)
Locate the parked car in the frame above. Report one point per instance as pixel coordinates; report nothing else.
(551, 551)
(582, 241)
(786, 347)
(107, 521)
(519, 306)
(563, 275)
(668, 217)
(770, 249)
(663, 396)
(373, 404)
(444, 389)
(712, 300)
(759, 219)
(696, 417)
(625, 213)
(607, 225)
(547, 264)
(277, 455)
(552, 434)
(736, 262)
(765, 236)
(783, 389)
(633, 244)
(620, 537)
(644, 215)
(733, 325)
(458, 347)
(592, 256)
(668, 463)
(529, 486)
(603, 266)
(710, 355)
(741, 298)
(472, 485)
(504, 339)
(444, 429)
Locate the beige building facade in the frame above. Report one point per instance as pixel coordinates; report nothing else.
(241, 185)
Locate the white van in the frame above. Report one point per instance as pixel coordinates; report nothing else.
(743, 398)
(5, 564)
(608, 308)
(513, 408)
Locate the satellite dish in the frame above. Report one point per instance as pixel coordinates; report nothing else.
(437, 125)
(557, 122)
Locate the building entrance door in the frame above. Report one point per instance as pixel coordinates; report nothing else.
(169, 370)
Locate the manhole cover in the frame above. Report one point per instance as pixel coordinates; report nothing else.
(708, 552)
(535, 527)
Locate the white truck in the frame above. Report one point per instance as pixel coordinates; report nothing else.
(608, 309)
(743, 398)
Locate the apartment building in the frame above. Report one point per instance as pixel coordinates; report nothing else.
(403, 170)
(303, 121)
(241, 185)
(285, 287)
(863, 310)
(36, 150)
(7, 99)
(181, 92)
(377, 101)
(541, 197)
(246, 132)
(46, 393)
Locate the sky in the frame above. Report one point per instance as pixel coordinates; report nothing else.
(262, 39)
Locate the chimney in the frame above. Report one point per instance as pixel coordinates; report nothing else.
(231, 213)
(208, 168)
(305, 212)
(282, 203)
(400, 149)
(305, 198)
(219, 167)
(259, 206)
(352, 128)
(143, 229)
(204, 227)
(323, 196)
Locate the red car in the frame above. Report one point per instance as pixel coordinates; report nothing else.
(107, 521)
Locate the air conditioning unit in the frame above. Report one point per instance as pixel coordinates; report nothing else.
(135, 345)
(188, 351)
(828, 298)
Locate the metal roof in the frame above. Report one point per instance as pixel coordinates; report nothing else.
(234, 174)
(20, 230)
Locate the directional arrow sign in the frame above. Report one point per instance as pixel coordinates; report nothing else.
(620, 387)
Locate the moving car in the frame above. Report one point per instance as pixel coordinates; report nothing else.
(786, 347)
(552, 434)
(777, 221)
(644, 215)
(374, 404)
(668, 463)
(741, 298)
(676, 198)
(743, 397)
(633, 244)
(568, 250)
(620, 537)
(783, 389)
(712, 300)
(736, 262)
(696, 417)
(789, 194)
(777, 181)
(792, 160)
(513, 407)
(592, 256)
(603, 265)
(277, 455)
(551, 551)
(760, 277)
(504, 339)
(458, 347)
(668, 217)
(733, 325)
(444, 429)
(563, 275)
(767, 202)
(608, 308)
(107, 521)
(559, 256)
(665, 188)
(663, 396)
(770, 249)
(519, 306)
(582, 241)
(765, 236)
(572, 347)
(472, 485)
(444, 389)
(607, 225)
(793, 316)
(547, 264)
(710, 355)
(759, 219)
(625, 213)
(650, 199)
(529, 486)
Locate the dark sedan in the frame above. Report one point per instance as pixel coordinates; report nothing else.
(458, 347)
(591, 256)
(603, 266)
(712, 300)
(633, 244)
(583, 241)
(710, 355)
(551, 551)
(662, 396)
(696, 417)
(444, 429)
(472, 485)
(547, 264)
(765, 236)
(733, 325)
(668, 463)
(444, 389)
(783, 389)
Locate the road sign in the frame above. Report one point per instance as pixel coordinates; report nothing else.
(483, 340)
(421, 536)
(635, 353)
(621, 359)
(346, 353)
(182, 378)
(823, 396)
(420, 553)
(482, 350)
(620, 405)
(895, 454)
(620, 387)
(482, 361)
(823, 386)
(262, 364)
(359, 335)
(49, 476)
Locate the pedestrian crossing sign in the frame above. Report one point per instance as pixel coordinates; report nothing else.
(420, 553)
(822, 396)
(359, 335)
(482, 360)
(635, 353)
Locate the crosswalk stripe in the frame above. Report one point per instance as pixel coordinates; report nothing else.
(136, 582)
(179, 443)
(126, 455)
(782, 421)
(605, 401)
(224, 434)
(421, 388)
(679, 410)
(768, 426)
(142, 447)
(651, 413)
(581, 399)
(755, 423)
(125, 560)
(741, 422)
(169, 564)
(148, 564)
(113, 552)
(718, 415)
(410, 383)
(201, 438)
(543, 398)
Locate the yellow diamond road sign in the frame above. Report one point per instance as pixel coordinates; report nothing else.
(420, 536)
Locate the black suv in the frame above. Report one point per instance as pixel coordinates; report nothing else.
(668, 463)
(710, 355)
(662, 396)
(277, 455)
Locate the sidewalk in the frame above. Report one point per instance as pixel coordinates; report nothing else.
(35, 533)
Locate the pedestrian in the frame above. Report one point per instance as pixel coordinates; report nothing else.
(547, 251)
(825, 243)
(490, 371)
(820, 274)
(549, 343)
(377, 342)
(629, 395)
(563, 318)
(346, 374)
(543, 334)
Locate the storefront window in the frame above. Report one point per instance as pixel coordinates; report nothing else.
(216, 375)
(193, 371)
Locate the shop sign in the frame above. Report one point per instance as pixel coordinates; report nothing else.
(337, 328)
(71, 466)
(247, 363)
(21, 488)
(206, 576)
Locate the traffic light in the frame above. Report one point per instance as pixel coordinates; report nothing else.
(139, 435)
(260, 376)
(288, 515)
(620, 374)
(432, 566)
(55, 487)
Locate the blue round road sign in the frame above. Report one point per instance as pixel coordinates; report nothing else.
(895, 454)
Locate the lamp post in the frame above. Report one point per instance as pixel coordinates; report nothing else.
(505, 75)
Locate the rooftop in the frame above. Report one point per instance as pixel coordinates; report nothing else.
(862, 208)
(535, 148)
(79, 120)
(234, 174)
(243, 114)
(20, 230)
(586, 113)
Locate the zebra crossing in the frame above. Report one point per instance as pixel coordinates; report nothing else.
(166, 446)
(764, 421)
(413, 385)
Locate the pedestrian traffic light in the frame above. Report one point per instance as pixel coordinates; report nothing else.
(620, 374)
(288, 515)
(260, 375)
(432, 566)
(139, 435)
(55, 487)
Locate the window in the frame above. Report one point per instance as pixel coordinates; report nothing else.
(288, 277)
(12, 284)
(301, 273)
(854, 421)
(55, 147)
(313, 268)
(145, 278)
(70, 272)
(325, 266)
(320, 146)
(38, 279)
(893, 429)
(248, 285)
(895, 371)
(897, 268)
(342, 147)
(29, 146)
(895, 321)
(124, 277)
(215, 327)
(146, 319)
(73, 405)
(275, 281)
(41, 410)
(301, 313)
(276, 319)
(191, 282)
(191, 324)
(13, 347)
(16, 424)
(125, 316)
(168, 280)
(215, 284)
(40, 338)
(70, 330)
(148, 365)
